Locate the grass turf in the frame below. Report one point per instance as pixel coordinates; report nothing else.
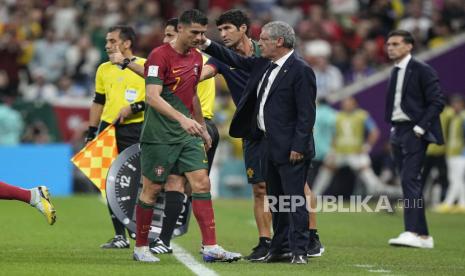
(355, 243)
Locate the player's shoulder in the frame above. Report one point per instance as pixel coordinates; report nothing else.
(159, 52)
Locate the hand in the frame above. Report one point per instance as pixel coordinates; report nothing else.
(191, 126)
(116, 57)
(91, 134)
(123, 114)
(295, 157)
(418, 131)
(206, 139)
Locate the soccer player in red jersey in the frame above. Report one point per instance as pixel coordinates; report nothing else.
(38, 197)
(171, 141)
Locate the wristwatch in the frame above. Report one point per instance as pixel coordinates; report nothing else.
(125, 63)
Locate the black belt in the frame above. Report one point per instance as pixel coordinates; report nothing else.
(402, 123)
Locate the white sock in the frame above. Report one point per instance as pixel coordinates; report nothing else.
(322, 181)
(35, 196)
(372, 182)
(210, 246)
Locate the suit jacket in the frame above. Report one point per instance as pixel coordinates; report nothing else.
(289, 111)
(422, 100)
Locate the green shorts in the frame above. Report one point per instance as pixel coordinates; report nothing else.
(160, 160)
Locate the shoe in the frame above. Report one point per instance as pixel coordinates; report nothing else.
(443, 209)
(143, 254)
(299, 259)
(278, 257)
(315, 248)
(118, 242)
(408, 239)
(427, 243)
(41, 201)
(259, 252)
(217, 254)
(158, 247)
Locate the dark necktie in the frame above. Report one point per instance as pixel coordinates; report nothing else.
(265, 82)
(392, 90)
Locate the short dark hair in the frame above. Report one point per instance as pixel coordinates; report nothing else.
(125, 33)
(193, 16)
(172, 22)
(235, 17)
(407, 36)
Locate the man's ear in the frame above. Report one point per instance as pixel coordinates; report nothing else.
(280, 42)
(127, 44)
(243, 28)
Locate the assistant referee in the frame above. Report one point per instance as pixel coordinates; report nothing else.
(119, 97)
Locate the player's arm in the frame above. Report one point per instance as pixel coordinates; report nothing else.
(373, 134)
(208, 71)
(198, 116)
(154, 99)
(119, 59)
(96, 110)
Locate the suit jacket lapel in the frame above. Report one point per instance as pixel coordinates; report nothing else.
(408, 74)
(282, 72)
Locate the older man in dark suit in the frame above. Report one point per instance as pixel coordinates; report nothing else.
(413, 104)
(278, 105)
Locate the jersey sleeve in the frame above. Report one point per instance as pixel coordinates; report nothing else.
(214, 63)
(370, 124)
(99, 84)
(155, 68)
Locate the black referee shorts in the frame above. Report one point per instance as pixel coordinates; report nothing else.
(213, 131)
(126, 135)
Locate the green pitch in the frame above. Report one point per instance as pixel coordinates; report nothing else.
(355, 243)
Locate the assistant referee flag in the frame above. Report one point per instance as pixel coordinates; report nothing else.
(95, 159)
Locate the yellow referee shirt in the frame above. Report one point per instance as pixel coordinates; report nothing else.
(206, 93)
(121, 88)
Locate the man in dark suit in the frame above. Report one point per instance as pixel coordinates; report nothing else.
(278, 105)
(413, 104)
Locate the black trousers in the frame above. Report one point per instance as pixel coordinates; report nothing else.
(290, 221)
(409, 153)
(213, 131)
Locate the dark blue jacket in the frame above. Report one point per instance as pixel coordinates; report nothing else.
(289, 111)
(422, 100)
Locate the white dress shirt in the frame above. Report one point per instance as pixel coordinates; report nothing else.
(397, 114)
(280, 62)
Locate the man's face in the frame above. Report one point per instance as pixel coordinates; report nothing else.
(397, 49)
(230, 34)
(191, 35)
(267, 45)
(114, 42)
(170, 34)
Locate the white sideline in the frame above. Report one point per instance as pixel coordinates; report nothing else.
(190, 262)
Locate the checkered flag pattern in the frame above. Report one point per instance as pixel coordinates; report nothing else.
(95, 159)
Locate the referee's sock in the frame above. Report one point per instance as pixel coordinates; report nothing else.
(120, 230)
(173, 208)
(203, 211)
